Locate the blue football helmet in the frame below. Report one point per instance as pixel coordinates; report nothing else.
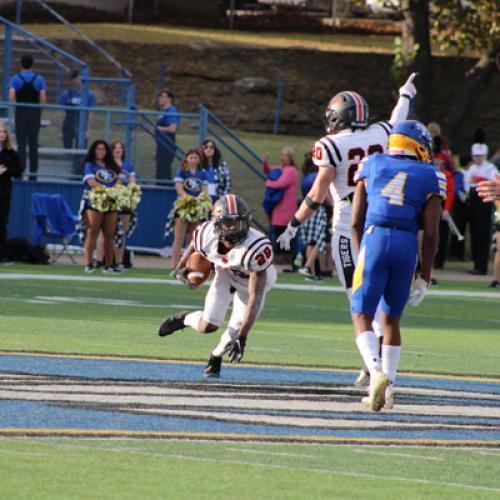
(411, 138)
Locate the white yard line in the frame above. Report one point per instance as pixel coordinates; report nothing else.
(272, 453)
(405, 455)
(283, 467)
(279, 286)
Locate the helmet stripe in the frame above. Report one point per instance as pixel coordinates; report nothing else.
(231, 201)
(360, 115)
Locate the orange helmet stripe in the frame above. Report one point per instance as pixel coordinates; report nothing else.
(232, 204)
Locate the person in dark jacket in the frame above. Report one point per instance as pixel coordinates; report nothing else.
(10, 168)
(27, 87)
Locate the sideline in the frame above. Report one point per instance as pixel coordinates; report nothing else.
(278, 286)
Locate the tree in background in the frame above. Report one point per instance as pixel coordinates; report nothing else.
(469, 25)
(416, 52)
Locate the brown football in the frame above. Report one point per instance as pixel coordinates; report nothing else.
(199, 269)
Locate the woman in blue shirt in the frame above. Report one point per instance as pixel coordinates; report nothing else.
(99, 169)
(190, 179)
(217, 170)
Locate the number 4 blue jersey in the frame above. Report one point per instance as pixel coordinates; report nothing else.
(397, 189)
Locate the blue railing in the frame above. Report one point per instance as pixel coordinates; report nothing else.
(84, 37)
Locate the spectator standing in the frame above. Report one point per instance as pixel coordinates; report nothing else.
(27, 87)
(447, 206)
(313, 231)
(166, 127)
(496, 265)
(284, 211)
(459, 213)
(191, 180)
(480, 214)
(10, 168)
(216, 170)
(99, 169)
(70, 119)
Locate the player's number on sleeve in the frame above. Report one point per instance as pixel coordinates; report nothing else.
(394, 189)
(263, 256)
(357, 154)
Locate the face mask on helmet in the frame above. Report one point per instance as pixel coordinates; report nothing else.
(233, 229)
(411, 138)
(231, 217)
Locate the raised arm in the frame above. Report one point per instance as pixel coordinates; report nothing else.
(406, 93)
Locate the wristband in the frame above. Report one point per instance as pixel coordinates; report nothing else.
(313, 205)
(294, 222)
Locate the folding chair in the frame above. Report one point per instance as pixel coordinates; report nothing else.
(53, 220)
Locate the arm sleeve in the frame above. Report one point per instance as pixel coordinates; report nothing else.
(14, 168)
(288, 177)
(179, 177)
(225, 175)
(200, 237)
(400, 111)
(260, 257)
(441, 185)
(88, 172)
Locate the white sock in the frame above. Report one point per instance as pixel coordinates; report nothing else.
(390, 360)
(193, 320)
(376, 323)
(367, 343)
(228, 335)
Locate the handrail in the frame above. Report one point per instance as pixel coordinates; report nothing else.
(42, 42)
(7, 104)
(47, 53)
(82, 35)
(234, 136)
(238, 155)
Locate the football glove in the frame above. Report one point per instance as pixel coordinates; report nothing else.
(408, 89)
(287, 236)
(236, 349)
(181, 275)
(418, 291)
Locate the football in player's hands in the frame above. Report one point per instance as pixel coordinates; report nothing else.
(199, 269)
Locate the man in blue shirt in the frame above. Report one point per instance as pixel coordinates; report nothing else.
(70, 119)
(166, 127)
(396, 195)
(28, 87)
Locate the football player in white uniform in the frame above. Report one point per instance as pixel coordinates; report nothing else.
(243, 258)
(349, 139)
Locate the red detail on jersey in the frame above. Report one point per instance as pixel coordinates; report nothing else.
(318, 153)
(224, 260)
(357, 154)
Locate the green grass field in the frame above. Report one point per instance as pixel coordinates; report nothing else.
(453, 335)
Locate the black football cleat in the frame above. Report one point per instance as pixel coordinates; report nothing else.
(172, 324)
(212, 370)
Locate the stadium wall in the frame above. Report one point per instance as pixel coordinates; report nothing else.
(152, 211)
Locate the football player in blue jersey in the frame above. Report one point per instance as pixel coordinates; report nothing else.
(396, 194)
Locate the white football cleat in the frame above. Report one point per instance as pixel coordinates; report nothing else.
(378, 384)
(363, 379)
(389, 399)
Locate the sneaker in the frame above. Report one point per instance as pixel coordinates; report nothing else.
(89, 268)
(212, 370)
(172, 324)
(363, 379)
(120, 267)
(110, 270)
(306, 271)
(494, 284)
(378, 384)
(389, 399)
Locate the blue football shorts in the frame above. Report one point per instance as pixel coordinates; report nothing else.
(384, 271)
